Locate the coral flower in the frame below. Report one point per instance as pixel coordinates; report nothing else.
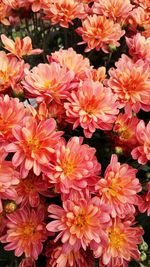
(139, 19)
(15, 4)
(125, 128)
(34, 144)
(75, 166)
(27, 262)
(79, 223)
(57, 258)
(92, 106)
(139, 47)
(144, 201)
(26, 232)
(142, 151)
(20, 47)
(64, 11)
(30, 188)
(72, 61)
(11, 71)
(8, 179)
(119, 188)
(11, 113)
(117, 10)
(99, 32)
(123, 244)
(131, 82)
(48, 82)
(4, 13)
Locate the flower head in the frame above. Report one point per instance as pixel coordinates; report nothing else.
(139, 47)
(12, 113)
(48, 82)
(34, 144)
(122, 245)
(131, 82)
(92, 107)
(64, 11)
(99, 32)
(26, 232)
(72, 61)
(119, 188)
(117, 10)
(20, 47)
(79, 222)
(144, 201)
(74, 166)
(142, 151)
(9, 177)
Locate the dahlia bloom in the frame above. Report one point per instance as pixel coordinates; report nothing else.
(26, 232)
(140, 19)
(30, 188)
(79, 222)
(99, 32)
(139, 47)
(123, 244)
(131, 82)
(12, 113)
(11, 71)
(74, 167)
(34, 144)
(4, 13)
(19, 47)
(144, 201)
(142, 151)
(125, 128)
(119, 188)
(9, 177)
(117, 10)
(14, 4)
(72, 61)
(92, 107)
(58, 258)
(64, 12)
(48, 82)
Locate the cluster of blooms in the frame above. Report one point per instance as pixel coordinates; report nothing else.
(55, 196)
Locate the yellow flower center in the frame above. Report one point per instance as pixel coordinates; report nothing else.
(29, 230)
(68, 167)
(47, 83)
(124, 133)
(81, 220)
(116, 238)
(33, 144)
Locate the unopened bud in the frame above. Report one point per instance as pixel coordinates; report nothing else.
(10, 206)
(118, 150)
(143, 256)
(112, 48)
(143, 246)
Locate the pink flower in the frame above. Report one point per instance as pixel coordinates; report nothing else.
(74, 166)
(73, 62)
(79, 222)
(9, 177)
(99, 32)
(117, 10)
(92, 107)
(125, 128)
(123, 244)
(131, 82)
(57, 258)
(26, 232)
(139, 47)
(48, 82)
(144, 201)
(4, 13)
(142, 152)
(11, 71)
(20, 47)
(12, 113)
(119, 188)
(30, 188)
(34, 144)
(64, 11)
